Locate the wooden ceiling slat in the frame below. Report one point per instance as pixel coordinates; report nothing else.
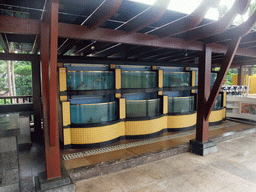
(152, 53)
(65, 47)
(100, 15)
(97, 46)
(175, 55)
(248, 45)
(36, 45)
(135, 51)
(117, 48)
(104, 11)
(185, 23)
(244, 28)
(146, 18)
(163, 55)
(239, 7)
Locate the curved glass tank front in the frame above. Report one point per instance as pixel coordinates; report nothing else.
(178, 105)
(218, 103)
(139, 79)
(176, 79)
(142, 108)
(93, 113)
(90, 80)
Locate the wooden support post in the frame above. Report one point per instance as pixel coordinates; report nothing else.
(201, 145)
(240, 75)
(37, 105)
(49, 37)
(204, 83)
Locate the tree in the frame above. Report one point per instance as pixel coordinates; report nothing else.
(23, 77)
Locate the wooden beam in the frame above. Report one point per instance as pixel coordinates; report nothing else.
(185, 23)
(30, 26)
(146, 18)
(118, 36)
(16, 57)
(18, 25)
(221, 76)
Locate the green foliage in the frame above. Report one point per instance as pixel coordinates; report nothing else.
(229, 76)
(23, 77)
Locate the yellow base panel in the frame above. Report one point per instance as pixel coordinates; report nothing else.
(145, 127)
(132, 128)
(67, 136)
(97, 134)
(181, 121)
(216, 116)
(224, 113)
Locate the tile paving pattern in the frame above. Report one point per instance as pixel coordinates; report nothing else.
(157, 174)
(232, 168)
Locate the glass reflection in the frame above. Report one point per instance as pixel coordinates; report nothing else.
(175, 79)
(142, 108)
(90, 80)
(181, 104)
(218, 102)
(139, 79)
(93, 113)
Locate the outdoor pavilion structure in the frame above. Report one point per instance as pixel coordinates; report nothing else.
(126, 33)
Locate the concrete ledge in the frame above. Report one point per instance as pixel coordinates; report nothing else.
(86, 172)
(203, 149)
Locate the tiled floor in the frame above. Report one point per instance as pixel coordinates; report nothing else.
(32, 161)
(232, 168)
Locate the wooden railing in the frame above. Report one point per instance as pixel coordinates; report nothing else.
(16, 99)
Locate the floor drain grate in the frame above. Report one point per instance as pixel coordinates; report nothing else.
(135, 144)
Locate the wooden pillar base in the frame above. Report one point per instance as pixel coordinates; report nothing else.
(63, 183)
(204, 148)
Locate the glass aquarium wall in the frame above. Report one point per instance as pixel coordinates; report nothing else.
(176, 79)
(90, 80)
(181, 104)
(139, 79)
(213, 78)
(218, 102)
(142, 108)
(93, 113)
